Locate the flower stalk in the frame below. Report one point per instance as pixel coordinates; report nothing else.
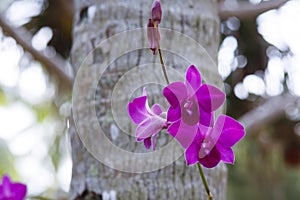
(210, 197)
(160, 54)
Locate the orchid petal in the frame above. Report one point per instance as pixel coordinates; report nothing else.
(153, 36)
(206, 119)
(19, 191)
(226, 153)
(210, 98)
(147, 142)
(231, 130)
(183, 133)
(175, 93)
(212, 159)
(173, 114)
(156, 109)
(193, 77)
(149, 127)
(11, 190)
(137, 109)
(191, 153)
(190, 111)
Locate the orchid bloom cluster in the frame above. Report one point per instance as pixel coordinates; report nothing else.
(190, 116)
(12, 191)
(190, 120)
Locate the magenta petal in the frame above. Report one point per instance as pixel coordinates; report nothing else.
(156, 109)
(137, 109)
(210, 98)
(193, 77)
(191, 153)
(6, 180)
(190, 111)
(183, 133)
(174, 114)
(226, 153)
(212, 159)
(5, 190)
(19, 191)
(206, 119)
(147, 142)
(149, 127)
(10, 190)
(231, 130)
(153, 36)
(175, 93)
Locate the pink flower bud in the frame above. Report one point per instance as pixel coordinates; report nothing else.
(153, 36)
(156, 11)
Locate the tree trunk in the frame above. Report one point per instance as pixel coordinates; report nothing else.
(98, 175)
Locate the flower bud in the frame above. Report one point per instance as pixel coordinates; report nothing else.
(153, 36)
(156, 11)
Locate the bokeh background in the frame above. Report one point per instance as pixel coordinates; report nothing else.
(259, 61)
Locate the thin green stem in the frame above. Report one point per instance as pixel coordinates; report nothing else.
(204, 182)
(163, 66)
(160, 55)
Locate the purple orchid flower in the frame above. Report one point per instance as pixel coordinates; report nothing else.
(150, 121)
(191, 103)
(212, 145)
(156, 12)
(12, 191)
(153, 36)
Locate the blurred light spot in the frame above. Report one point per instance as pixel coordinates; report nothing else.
(10, 55)
(39, 175)
(255, 1)
(233, 23)
(274, 76)
(30, 142)
(292, 68)
(20, 12)
(105, 195)
(275, 68)
(226, 56)
(91, 12)
(65, 109)
(114, 131)
(32, 83)
(292, 112)
(230, 42)
(297, 129)
(254, 84)
(272, 32)
(113, 195)
(50, 52)
(241, 61)
(288, 20)
(279, 27)
(273, 52)
(14, 118)
(224, 70)
(41, 38)
(64, 173)
(240, 91)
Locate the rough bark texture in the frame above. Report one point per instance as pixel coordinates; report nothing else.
(90, 178)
